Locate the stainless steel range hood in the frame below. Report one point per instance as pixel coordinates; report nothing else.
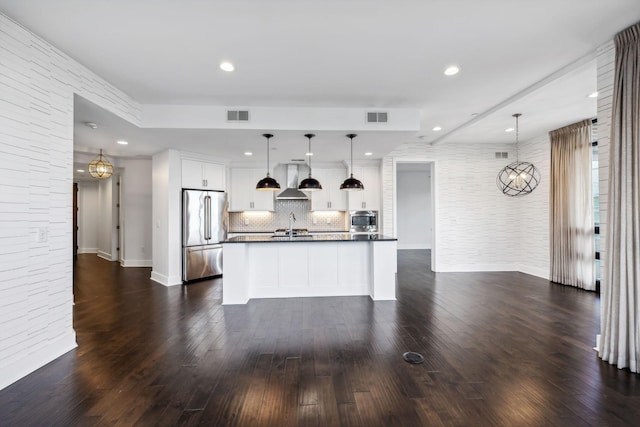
(292, 192)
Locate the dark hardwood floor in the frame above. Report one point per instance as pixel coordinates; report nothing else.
(501, 349)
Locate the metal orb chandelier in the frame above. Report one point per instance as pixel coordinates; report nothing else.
(267, 183)
(310, 183)
(100, 167)
(518, 178)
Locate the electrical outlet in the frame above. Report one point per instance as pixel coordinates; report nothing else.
(42, 235)
(315, 221)
(328, 221)
(246, 221)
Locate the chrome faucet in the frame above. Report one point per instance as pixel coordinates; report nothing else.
(292, 219)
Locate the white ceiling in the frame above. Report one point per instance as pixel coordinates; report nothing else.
(535, 57)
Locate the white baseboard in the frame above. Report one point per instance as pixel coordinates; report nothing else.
(104, 255)
(166, 280)
(468, 268)
(27, 363)
(137, 263)
(534, 271)
(402, 246)
(87, 250)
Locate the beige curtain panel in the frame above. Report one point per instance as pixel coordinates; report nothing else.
(572, 243)
(620, 289)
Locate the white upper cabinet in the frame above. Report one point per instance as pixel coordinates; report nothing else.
(203, 175)
(243, 195)
(369, 198)
(330, 198)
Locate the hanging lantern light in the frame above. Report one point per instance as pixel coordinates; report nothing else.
(100, 167)
(267, 183)
(352, 184)
(518, 178)
(310, 183)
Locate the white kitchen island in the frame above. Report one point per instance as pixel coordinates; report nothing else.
(258, 266)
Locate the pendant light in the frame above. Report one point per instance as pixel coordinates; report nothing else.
(267, 183)
(100, 167)
(351, 184)
(309, 184)
(518, 178)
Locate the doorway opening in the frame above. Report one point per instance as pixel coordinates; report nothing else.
(414, 207)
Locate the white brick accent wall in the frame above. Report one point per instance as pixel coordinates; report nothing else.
(477, 228)
(37, 85)
(533, 212)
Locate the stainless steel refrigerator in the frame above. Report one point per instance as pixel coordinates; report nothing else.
(203, 230)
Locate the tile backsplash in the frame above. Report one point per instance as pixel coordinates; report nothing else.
(248, 221)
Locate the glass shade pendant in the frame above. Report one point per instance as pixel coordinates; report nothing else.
(518, 178)
(351, 183)
(309, 183)
(267, 183)
(100, 167)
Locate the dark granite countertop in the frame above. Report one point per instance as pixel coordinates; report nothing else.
(323, 237)
(271, 232)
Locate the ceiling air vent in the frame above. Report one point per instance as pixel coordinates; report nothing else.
(502, 155)
(377, 117)
(238, 115)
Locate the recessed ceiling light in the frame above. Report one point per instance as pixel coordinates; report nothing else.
(368, 153)
(227, 66)
(248, 153)
(80, 170)
(436, 128)
(593, 95)
(308, 154)
(91, 125)
(121, 142)
(452, 70)
(509, 129)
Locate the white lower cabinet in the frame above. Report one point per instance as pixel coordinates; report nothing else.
(309, 269)
(243, 195)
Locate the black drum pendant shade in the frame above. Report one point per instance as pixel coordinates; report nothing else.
(351, 183)
(309, 183)
(267, 183)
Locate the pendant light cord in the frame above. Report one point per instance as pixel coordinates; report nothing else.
(268, 163)
(309, 155)
(517, 115)
(351, 171)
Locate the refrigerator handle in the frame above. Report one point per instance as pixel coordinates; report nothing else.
(207, 217)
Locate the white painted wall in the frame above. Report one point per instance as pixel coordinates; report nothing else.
(136, 213)
(281, 118)
(88, 217)
(414, 208)
(36, 164)
(106, 219)
(167, 218)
